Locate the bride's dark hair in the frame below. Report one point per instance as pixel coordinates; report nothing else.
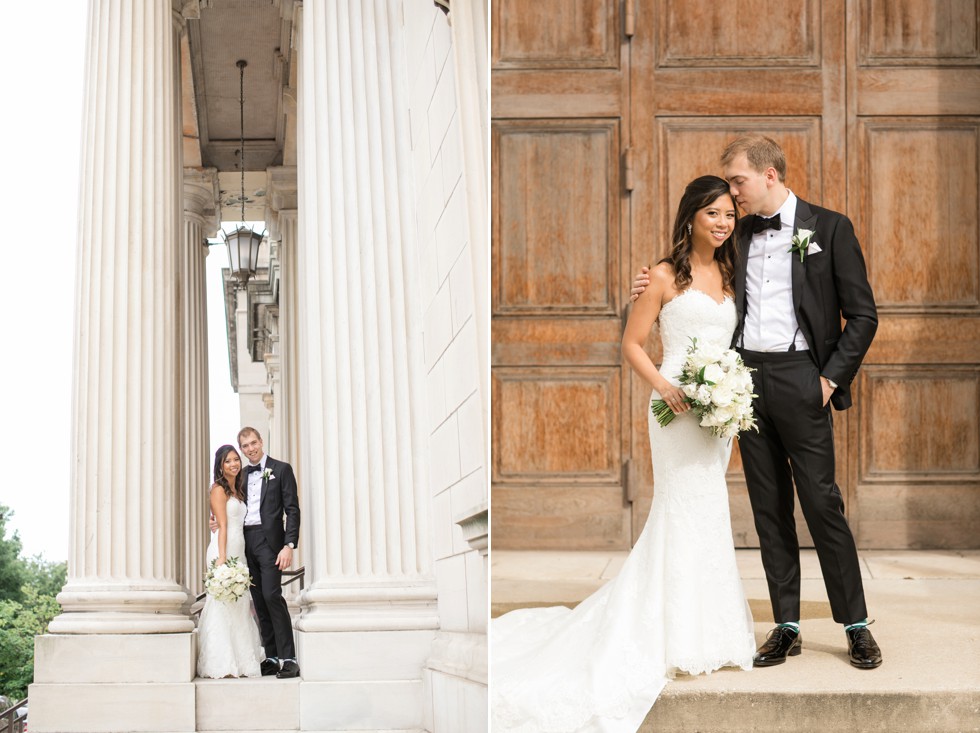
(219, 475)
(699, 193)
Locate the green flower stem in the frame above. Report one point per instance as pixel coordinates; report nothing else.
(662, 412)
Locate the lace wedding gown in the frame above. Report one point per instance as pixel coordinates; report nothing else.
(677, 604)
(227, 634)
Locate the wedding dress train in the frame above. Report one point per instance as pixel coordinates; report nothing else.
(676, 605)
(228, 637)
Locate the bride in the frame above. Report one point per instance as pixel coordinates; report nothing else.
(678, 604)
(227, 635)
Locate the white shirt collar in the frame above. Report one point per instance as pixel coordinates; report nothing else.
(787, 212)
(261, 461)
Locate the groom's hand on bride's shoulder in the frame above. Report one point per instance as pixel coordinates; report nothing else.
(640, 283)
(285, 558)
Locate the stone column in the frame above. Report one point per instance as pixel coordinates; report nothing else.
(281, 194)
(194, 463)
(370, 606)
(469, 30)
(122, 569)
(120, 656)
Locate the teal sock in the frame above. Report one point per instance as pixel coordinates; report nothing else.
(795, 625)
(856, 625)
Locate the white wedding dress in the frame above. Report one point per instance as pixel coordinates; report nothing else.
(677, 605)
(228, 638)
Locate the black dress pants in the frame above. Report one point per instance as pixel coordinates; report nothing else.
(275, 624)
(795, 443)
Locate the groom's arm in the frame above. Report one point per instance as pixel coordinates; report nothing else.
(290, 503)
(857, 305)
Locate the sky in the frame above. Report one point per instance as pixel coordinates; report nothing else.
(41, 129)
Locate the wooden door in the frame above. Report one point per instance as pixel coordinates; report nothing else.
(913, 159)
(879, 118)
(559, 107)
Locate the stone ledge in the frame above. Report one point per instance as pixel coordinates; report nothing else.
(792, 712)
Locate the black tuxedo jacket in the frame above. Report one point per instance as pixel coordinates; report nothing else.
(826, 285)
(279, 497)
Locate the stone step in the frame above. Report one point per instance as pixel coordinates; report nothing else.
(254, 704)
(926, 605)
(270, 705)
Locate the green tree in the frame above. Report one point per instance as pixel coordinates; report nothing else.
(19, 624)
(27, 604)
(48, 578)
(12, 570)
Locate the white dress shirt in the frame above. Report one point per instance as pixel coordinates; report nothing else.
(770, 321)
(252, 516)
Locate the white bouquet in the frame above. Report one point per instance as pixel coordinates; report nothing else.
(718, 386)
(227, 582)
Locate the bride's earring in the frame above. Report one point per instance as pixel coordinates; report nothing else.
(689, 229)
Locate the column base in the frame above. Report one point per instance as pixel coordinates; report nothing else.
(121, 610)
(105, 683)
(108, 658)
(344, 656)
(408, 606)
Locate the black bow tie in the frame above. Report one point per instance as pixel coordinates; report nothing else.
(761, 224)
(253, 469)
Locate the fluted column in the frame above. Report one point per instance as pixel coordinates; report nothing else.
(288, 336)
(469, 29)
(362, 412)
(194, 463)
(122, 571)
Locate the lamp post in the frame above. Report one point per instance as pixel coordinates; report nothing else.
(243, 243)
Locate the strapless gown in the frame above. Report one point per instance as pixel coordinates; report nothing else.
(677, 605)
(228, 637)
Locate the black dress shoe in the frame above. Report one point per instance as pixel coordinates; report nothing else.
(782, 642)
(269, 667)
(863, 649)
(289, 669)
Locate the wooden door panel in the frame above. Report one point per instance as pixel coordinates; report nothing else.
(708, 33)
(566, 341)
(914, 194)
(559, 216)
(556, 33)
(557, 229)
(561, 426)
(557, 457)
(922, 254)
(557, 94)
(919, 32)
(920, 456)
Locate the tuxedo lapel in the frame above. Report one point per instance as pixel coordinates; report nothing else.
(804, 220)
(270, 467)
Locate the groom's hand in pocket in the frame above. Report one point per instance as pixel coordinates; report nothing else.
(285, 558)
(828, 391)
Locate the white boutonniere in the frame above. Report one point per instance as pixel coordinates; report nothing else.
(801, 242)
(267, 474)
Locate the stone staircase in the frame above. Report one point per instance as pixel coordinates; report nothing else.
(269, 705)
(927, 606)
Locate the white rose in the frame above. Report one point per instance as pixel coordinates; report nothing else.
(722, 396)
(703, 394)
(713, 373)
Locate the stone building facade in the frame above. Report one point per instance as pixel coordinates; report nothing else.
(361, 344)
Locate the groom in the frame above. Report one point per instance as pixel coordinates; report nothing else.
(271, 493)
(799, 271)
